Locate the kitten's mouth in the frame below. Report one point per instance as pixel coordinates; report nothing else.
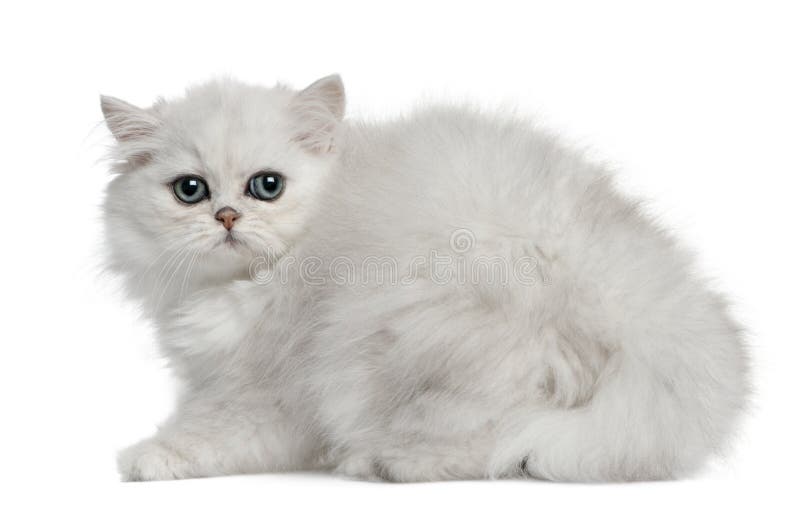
(230, 241)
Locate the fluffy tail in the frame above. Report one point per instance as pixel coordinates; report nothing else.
(654, 417)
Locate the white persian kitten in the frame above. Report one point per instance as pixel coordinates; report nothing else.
(451, 295)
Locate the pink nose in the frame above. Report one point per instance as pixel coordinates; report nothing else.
(227, 216)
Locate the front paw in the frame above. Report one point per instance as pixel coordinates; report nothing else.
(150, 460)
(359, 467)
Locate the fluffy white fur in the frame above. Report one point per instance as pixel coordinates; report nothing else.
(617, 363)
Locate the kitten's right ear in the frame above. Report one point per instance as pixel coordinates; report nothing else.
(127, 122)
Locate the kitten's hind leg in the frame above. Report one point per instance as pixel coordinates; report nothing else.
(459, 457)
(218, 435)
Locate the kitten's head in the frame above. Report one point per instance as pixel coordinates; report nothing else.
(224, 174)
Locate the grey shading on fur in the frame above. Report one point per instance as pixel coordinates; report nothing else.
(449, 295)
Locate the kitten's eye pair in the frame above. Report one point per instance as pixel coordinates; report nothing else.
(265, 186)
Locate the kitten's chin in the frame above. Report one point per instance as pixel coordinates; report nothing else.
(226, 257)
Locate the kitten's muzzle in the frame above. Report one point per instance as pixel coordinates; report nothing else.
(227, 216)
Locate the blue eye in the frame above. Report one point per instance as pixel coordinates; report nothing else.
(266, 186)
(190, 189)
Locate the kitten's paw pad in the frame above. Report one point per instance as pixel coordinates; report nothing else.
(151, 461)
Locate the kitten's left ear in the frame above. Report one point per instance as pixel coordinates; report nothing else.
(318, 109)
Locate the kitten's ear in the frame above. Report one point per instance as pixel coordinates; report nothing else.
(127, 122)
(318, 109)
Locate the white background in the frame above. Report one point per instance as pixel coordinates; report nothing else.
(695, 103)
